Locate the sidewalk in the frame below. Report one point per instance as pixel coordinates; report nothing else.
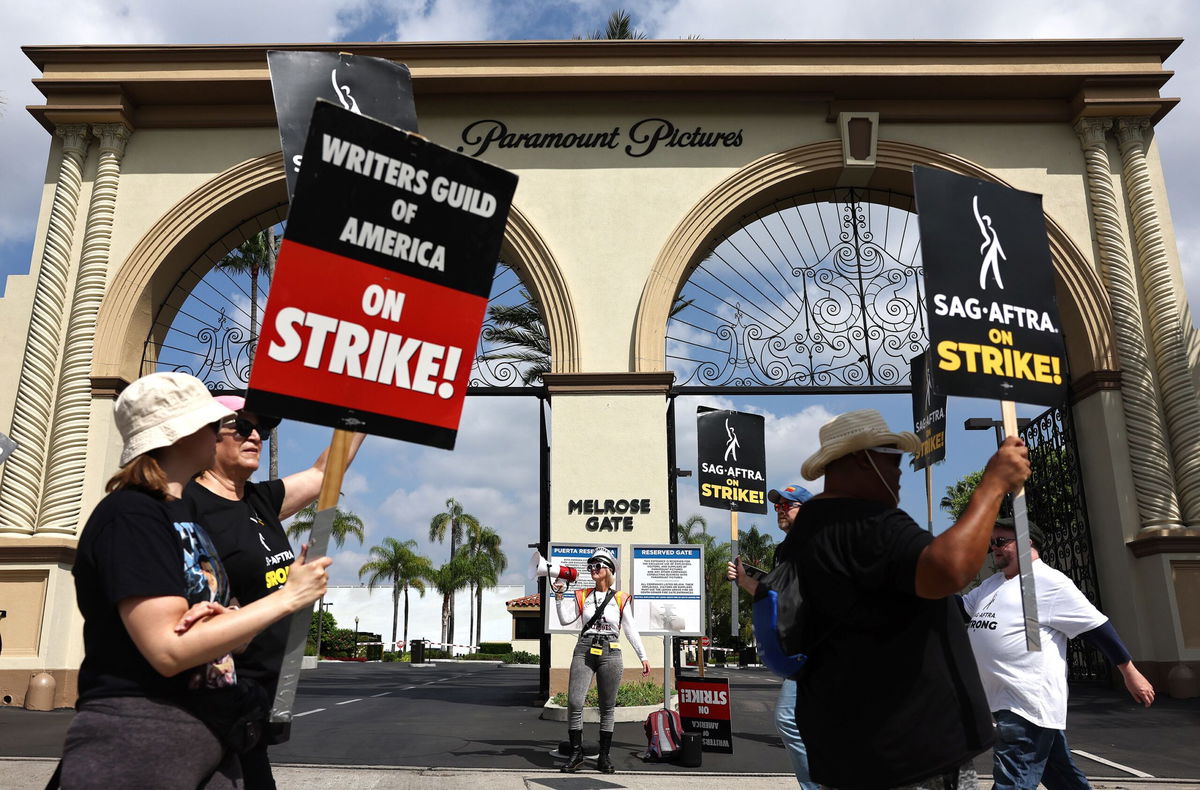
(31, 774)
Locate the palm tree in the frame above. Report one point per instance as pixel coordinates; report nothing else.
(716, 556)
(757, 548)
(694, 525)
(455, 521)
(255, 256)
(958, 496)
(447, 580)
(345, 523)
(399, 563)
(484, 544)
(620, 26)
(520, 336)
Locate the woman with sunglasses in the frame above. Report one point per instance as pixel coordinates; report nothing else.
(142, 561)
(598, 652)
(244, 520)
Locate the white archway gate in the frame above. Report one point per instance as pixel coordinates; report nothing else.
(648, 153)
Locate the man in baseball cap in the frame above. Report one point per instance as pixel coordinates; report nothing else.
(889, 696)
(787, 502)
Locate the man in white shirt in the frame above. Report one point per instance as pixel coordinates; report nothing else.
(1027, 691)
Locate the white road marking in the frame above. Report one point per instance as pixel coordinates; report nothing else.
(384, 694)
(1111, 764)
(347, 702)
(305, 713)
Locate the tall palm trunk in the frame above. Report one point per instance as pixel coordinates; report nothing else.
(471, 617)
(406, 617)
(453, 549)
(447, 603)
(479, 618)
(395, 609)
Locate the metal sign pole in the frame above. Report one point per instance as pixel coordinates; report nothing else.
(318, 542)
(1033, 634)
(666, 672)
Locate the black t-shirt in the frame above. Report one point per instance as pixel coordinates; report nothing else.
(255, 550)
(134, 545)
(891, 694)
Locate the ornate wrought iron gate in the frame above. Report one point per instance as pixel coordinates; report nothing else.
(1056, 503)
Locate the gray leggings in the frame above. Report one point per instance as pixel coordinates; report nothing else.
(140, 742)
(607, 667)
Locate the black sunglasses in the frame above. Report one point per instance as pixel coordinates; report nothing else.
(243, 427)
(999, 543)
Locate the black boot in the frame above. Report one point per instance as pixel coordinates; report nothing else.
(575, 761)
(603, 764)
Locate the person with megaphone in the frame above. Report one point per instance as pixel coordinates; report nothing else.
(602, 611)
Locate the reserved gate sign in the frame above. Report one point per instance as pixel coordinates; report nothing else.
(993, 322)
(382, 282)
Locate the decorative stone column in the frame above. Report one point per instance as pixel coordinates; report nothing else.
(72, 408)
(1166, 321)
(21, 486)
(1153, 478)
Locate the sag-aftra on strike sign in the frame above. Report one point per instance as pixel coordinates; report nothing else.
(382, 282)
(993, 321)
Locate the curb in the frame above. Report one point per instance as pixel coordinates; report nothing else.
(552, 712)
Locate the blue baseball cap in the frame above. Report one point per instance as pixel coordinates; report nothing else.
(790, 493)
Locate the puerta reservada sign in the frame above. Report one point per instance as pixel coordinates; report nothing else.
(641, 138)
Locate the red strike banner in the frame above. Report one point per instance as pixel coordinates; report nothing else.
(369, 338)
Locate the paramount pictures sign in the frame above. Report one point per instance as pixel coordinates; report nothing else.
(642, 138)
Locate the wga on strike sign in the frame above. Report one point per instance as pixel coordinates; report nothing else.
(704, 707)
(381, 284)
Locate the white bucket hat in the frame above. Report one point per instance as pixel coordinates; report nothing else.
(162, 408)
(853, 431)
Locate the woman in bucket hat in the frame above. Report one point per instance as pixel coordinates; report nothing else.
(143, 571)
(598, 652)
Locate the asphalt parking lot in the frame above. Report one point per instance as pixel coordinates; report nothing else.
(473, 716)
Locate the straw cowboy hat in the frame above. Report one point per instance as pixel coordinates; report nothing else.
(159, 409)
(853, 431)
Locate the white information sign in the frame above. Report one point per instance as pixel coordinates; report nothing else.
(574, 555)
(668, 589)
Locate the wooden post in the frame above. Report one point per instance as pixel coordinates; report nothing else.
(733, 587)
(929, 494)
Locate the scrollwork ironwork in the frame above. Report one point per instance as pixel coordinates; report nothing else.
(1056, 503)
(819, 290)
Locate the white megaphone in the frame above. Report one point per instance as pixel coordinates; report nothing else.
(539, 566)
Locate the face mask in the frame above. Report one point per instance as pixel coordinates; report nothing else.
(895, 494)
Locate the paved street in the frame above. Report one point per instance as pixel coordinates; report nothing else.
(473, 717)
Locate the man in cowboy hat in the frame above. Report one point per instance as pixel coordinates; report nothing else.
(890, 696)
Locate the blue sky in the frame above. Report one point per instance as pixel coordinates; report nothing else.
(397, 487)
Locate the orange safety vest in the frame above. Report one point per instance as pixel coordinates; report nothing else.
(622, 599)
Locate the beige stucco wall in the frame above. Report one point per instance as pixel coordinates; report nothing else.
(606, 219)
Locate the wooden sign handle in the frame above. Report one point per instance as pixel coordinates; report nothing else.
(335, 469)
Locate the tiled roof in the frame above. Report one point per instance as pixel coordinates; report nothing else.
(525, 602)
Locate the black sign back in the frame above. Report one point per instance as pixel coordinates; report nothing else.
(929, 415)
(373, 87)
(732, 460)
(993, 323)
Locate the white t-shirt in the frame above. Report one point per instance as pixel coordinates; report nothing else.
(1032, 685)
(612, 619)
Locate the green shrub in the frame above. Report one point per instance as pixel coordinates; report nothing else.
(389, 656)
(338, 643)
(405, 658)
(629, 695)
(310, 649)
(480, 657)
(371, 652)
(436, 652)
(495, 648)
(520, 657)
